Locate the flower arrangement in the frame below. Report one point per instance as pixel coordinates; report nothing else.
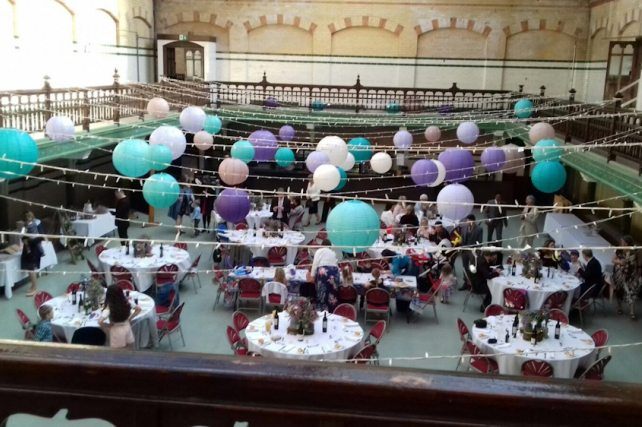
(271, 228)
(302, 316)
(257, 203)
(539, 317)
(143, 249)
(531, 264)
(95, 293)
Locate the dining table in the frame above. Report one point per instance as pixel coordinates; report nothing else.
(255, 218)
(260, 244)
(423, 247)
(97, 226)
(11, 270)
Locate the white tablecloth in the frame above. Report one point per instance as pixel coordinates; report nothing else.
(67, 320)
(259, 245)
(403, 282)
(342, 340)
(575, 237)
(267, 274)
(144, 269)
(255, 219)
(537, 294)
(101, 225)
(10, 267)
(379, 246)
(564, 363)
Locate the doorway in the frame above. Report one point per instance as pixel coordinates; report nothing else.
(625, 61)
(183, 61)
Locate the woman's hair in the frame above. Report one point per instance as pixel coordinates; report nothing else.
(628, 239)
(44, 311)
(376, 274)
(347, 274)
(548, 242)
(119, 308)
(28, 216)
(326, 242)
(388, 206)
(279, 276)
(446, 270)
(410, 210)
(297, 200)
(424, 221)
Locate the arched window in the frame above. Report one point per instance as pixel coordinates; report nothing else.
(194, 63)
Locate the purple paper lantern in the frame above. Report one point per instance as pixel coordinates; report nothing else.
(271, 102)
(265, 145)
(232, 205)
(467, 132)
(459, 164)
(402, 139)
(316, 159)
(445, 109)
(493, 159)
(286, 133)
(424, 172)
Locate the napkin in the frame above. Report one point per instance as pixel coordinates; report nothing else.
(353, 339)
(288, 349)
(550, 356)
(504, 345)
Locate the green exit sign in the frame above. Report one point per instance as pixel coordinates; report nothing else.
(182, 37)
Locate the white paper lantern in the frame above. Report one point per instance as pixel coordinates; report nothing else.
(327, 177)
(171, 138)
(381, 162)
(441, 175)
(203, 140)
(60, 129)
(514, 158)
(450, 202)
(349, 163)
(233, 171)
(335, 148)
(158, 108)
(193, 119)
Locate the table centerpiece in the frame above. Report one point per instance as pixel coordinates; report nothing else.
(536, 320)
(302, 316)
(94, 293)
(531, 265)
(142, 248)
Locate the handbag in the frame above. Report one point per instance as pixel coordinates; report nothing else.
(480, 323)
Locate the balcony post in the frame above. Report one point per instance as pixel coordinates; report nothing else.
(357, 87)
(521, 89)
(116, 111)
(47, 89)
(542, 90)
(571, 100)
(614, 120)
(86, 111)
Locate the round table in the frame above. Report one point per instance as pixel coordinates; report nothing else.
(342, 340)
(537, 293)
(554, 352)
(144, 269)
(255, 218)
(259, 245)
(67, 319)
(379, 246)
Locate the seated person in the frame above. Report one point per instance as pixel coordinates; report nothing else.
(400, 265)
(575, 263)
(484, 273)
(386, 216)
(439, 233)
(376, 282)
(347, 277)
(424, 230)
(409, 218)
(43, 331)
(591, 274)
(365, 266)
(548, 255)
(296, 210)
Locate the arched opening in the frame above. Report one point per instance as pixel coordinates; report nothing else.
(203, 29)
(451, 43)
(540, 45)
(280, 39)
(625, 62)
(631, 30)
(365, 41)
(183, 60)
(98, 27)
(143, 30)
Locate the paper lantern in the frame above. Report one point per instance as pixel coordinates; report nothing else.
(130, 158)
(327, 177)
(16, 145)
(271, 102)
(432, 134)
(286, 133)
(161, 190)
(158, 108)
(353, 223)
(233, 171)
(441, 174)
(318, 106)
(343, 180)
(203, 140)
(393, 107)
(459, 163)
(402, 139)
(523, 108)
(361, 149)
(232, 205)
(547, 150)
(467, 132)
(541, 130)
(171, 138)
(265, 145)
(514, 158)
(60, 129)
(424, 172)
(455, 202)
(316, 159)
(212, 125)
(445, 109)
(243, 150)
(548, 177)
(349, 163)
(193, 119)
(335, 148)
(493, 159)
(284, 157)
(381, 162)
(159, 157)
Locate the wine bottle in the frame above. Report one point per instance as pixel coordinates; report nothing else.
(534, 336)
(514, 269)
(127, 249)
(276, 319)
(161, 250)
(80, 304)
(74, 295)
(325, 322)
(558, 330)
(507, 338)
(515, 325)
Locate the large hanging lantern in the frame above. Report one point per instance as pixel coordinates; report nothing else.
(523, 108)
(212, 125)
(159, 157)
(286, 133)
(284, 157)
(60, 129)
(441, 174)
(361, 149)
(424, 172)
(493, 159)
(459, 163)
(402, 140)
(232, 205)
(343, 180)
(548, 177)
(514, 158)
(432, 134)
(327, 177)
(265, 145)
(455, 202)
(349, 163)
(158, 108)
(541, 130)
(161, 190)
(316, 159)
(171, 138)
(335, 148)
(130, 158)
(203, 140)
(233, 171)
(19, 146)
(353, 223)
(467, 132)
(547, 150)
(381, 162)
(193, 119)
(243, 150)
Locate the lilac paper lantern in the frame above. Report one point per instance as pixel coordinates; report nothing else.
(286, 133)
(493, 159)
(445, 109)
(467, 132)
(455, 202)
(316, 159)
(424, 172)
(271, 102)
(232, 205)
(265, 145)
(459, 164)
(402, 139)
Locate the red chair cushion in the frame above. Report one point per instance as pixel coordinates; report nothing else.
(170, 325)
(425, 298)
(161, 310)
(274, 299)
(241, 351)
(377, 307)
(483, 364)
(251, 294)
(276, 260)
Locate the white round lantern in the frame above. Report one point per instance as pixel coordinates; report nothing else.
(541, 130)
(203, 140)
(349, 163)
(158, 108)
(233, 171)
(455, 202)
(432, 134)
(171, 138)
(60, 129)
(381, 162)
(193, 119)
(514, 158)
(327, 177)
(335, 148)
(441, 174)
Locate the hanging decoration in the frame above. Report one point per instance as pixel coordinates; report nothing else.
(343, 180)
(335, 148)
(353, 223)
(158, 108)
(523, 108)
(547, 150)
(286, 133)
(327, 177)
(514, 158)
(16, 145)
(284, 157)
(271, 103)
(316, 159)
(349, 163)
(493, 159)
(130, 158)
(381, 162)
(212, 125)
(318, 105)
(459, 163)
(60, 129)
(467, 132)
(441, 174)
(432, 134)
(402, 139)
(203, 140)
(393, 107)
(424, 172)
(455, 202)
(548, 177)
(243, 150)
(233, 171)
(171, 138)
(232, 205)
(161, 190)
(361, 149)
(541, 130)
(159, 157)
(192, 119)
(265, 145)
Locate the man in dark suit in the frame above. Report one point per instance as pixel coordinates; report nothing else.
(496, 218)
(281, 207)
(591, 274)
(472, 236)
(480, 278)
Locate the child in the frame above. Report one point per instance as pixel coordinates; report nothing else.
(196, 216)
(377, 281)
(347, 277)
(43, 330)
(279, 276)
(365, 266)
(447, 283)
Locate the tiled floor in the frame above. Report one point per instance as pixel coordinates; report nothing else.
(204, 328)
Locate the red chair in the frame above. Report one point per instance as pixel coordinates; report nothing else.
(464, 336)
(556, 301)
(249, 290)
(304, 264)
(171, 325)
(120, 273)
(276, 256)
(26, 324)
(240, 226)
(537, 368)
(380, 264)
(259, 261)
(162, 310)
(182, 246)
(41, 298)
(73, 287)
(600, 338)
(192, 274)
(514, 300)
(235, 342)
(322, 234)
(559, 315)
(470, 291)
(343, 265)
(495, 310)
(483, 365)
(424, 300)
(375, 334)
(240, 321)
(95, 274)
(219, 280)
(365, 356)
(377, 301)
(346, 310)
(99, 250)
(125, 285)
(382, 225)
(583, 303)
(347, 295)
(166, 274)
(594, 372)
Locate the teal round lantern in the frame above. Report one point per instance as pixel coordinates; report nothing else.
(393, 107)
(161, 190)
(548, 177)
(547, 150)
(284, 157)
(353, 223)
(342, 181)
(20, 146)
(318, 105)
(523, 108)
(130, 158)
(212, 125)
(243, 150)
(159, 157)
(360, 149)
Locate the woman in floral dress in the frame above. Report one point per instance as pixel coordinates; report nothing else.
(325, 274)
(626, 275)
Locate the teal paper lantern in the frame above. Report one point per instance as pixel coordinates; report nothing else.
(353, 223)
(159, 157)
(542, 154)
(343, 180)
(318, 106)
(393, 107)
(360, 149)
(130, 158)
(523, 108)
(16, 145)
(548, 177)
(243, 150)
(161, 190)
(284, 157)
(212, 125)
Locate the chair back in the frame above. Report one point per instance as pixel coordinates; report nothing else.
(89, 335)
(472, 348)
(277, 252)
(464, 333)
(180, 245)
(365, 354)
(73, 287)
(514, 299)
(380, 264)
(537, 368)
(249, 285)
(347, 295)
(41, 298)
(586, 295)
(92, 267)
(377, 331)
(232, 337)
(218, 273)
(378, 296)
(240, 226)
(125, 285)
(342, 265)
(600, 337)
(176, 314)
(322, 234)
(304, 264)
(259, 261)
(168, 272)
(596, 370)
(347, 311)
(557, 314)
(556, 301)
(25, 322)
(120, 273)
(194, 265)
(494, 310)
(99, 249)
(240, 321)
(382, 225)
(363, 255)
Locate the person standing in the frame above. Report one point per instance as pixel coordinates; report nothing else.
(207, 204)
(313, 195)
(123, 207)
(528, 229)
(281, 206)
(196, 217)
(591, 275)
(328, 205)
(496, 220)
(627, 270)
(325, 274)
(386, 216)
(32, 250)
(472, 236)
(183, 205)
(482, 276)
